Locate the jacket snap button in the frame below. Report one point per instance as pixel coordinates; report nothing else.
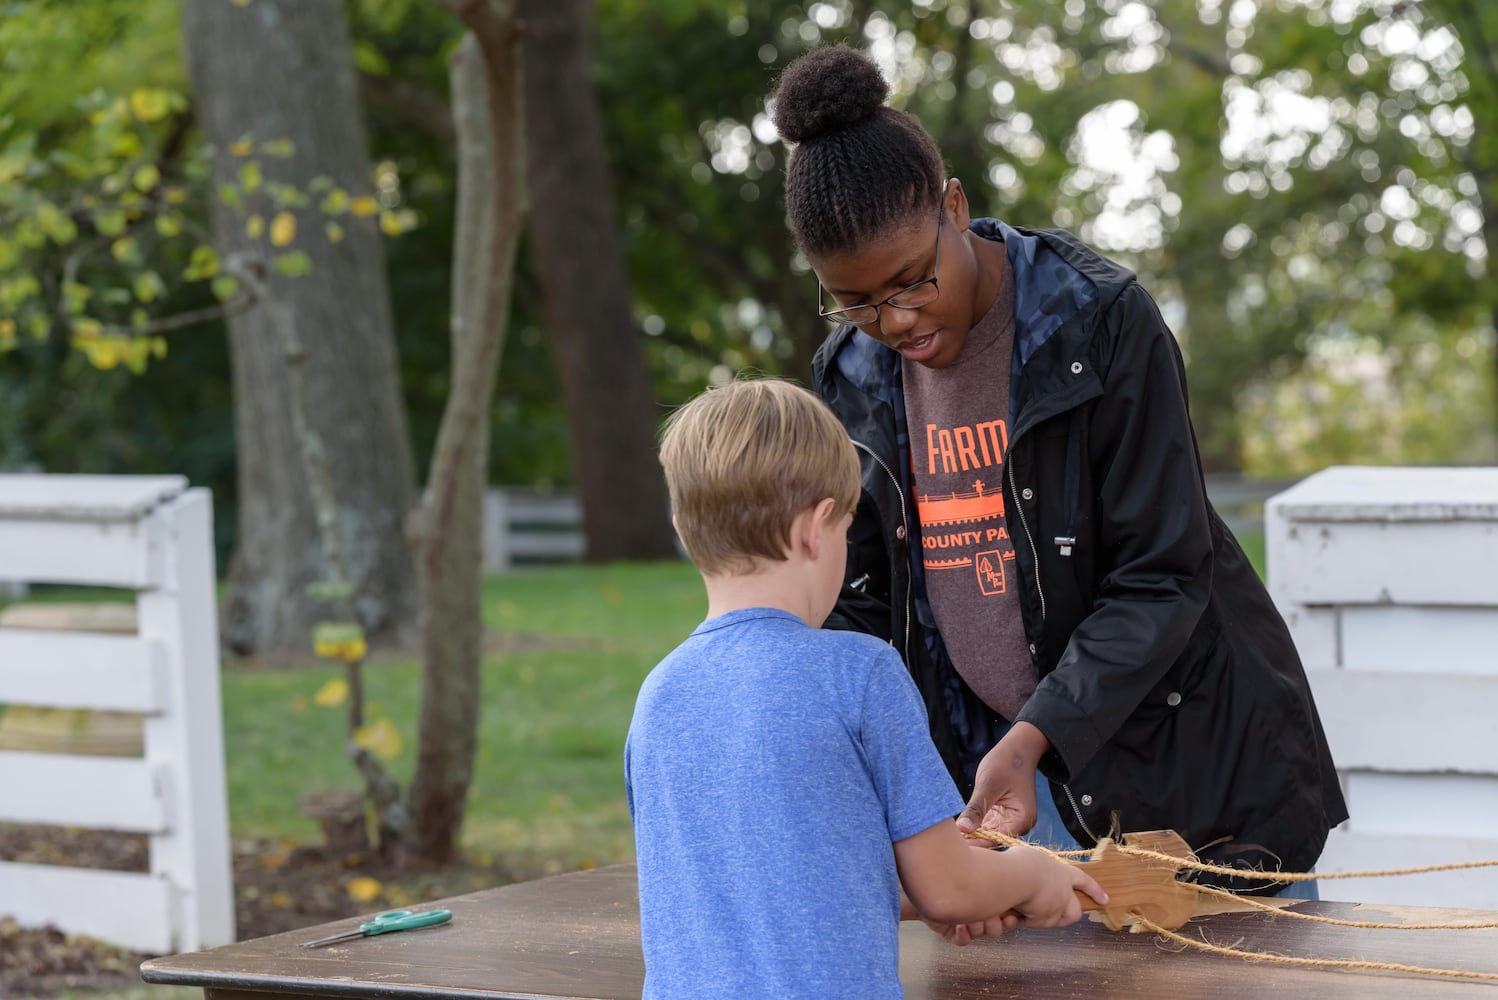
(1087, 800)
(1173, 699)
(1076, 367)
(1027, 493)
(900, 531)
(1032, 649)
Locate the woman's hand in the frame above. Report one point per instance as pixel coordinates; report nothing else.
(1004, 789)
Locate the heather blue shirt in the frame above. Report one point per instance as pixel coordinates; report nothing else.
(770, 766)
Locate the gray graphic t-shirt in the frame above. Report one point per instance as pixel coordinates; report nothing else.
(959, 438)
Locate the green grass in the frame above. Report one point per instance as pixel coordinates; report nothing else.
(572, 647)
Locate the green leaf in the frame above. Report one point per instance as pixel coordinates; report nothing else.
(250, 176)
(75, 297)
(146, 177)
(328, 590)
(169, 225)
(148, 287)
(109, 222)
(202, 264)
(224, 287)
(279, 148)
(294, 264)
(229, 195)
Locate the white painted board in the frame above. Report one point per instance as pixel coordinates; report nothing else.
(128, 909)
(1403, 722)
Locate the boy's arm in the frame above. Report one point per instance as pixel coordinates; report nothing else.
(950, 882)
(961, 934)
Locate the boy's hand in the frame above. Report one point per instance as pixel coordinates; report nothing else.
(1054, 901)
(961, 934)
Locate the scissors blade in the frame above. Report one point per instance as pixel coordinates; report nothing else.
(357, 932)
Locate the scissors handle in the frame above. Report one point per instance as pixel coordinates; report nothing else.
(384, 923)
(405, 920)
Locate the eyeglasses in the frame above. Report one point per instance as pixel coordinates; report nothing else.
(922, 293)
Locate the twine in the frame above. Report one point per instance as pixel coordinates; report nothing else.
(1142, 922)
(1255, 904)
(1191, 864)
(1326, 963)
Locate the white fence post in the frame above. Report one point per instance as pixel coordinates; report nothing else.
(1389, 580)
(153, 536)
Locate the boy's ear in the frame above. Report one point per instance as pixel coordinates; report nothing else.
(821, 512)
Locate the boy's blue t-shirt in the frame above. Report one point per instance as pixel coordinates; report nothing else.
(770, 766)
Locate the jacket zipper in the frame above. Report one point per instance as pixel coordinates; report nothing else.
(905, 522)
(1035, 554)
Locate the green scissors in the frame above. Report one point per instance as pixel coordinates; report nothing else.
(384, 923)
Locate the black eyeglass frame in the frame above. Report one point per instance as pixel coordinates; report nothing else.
(845, 315)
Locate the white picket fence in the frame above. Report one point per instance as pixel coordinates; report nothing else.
(151, 535)
(1388, 578)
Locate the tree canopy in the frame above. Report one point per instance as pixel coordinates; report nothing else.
(1307, 186)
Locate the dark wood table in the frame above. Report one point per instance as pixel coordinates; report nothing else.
(578, 936)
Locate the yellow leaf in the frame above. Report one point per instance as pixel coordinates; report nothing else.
(282, 900)
(332, 694)
(123, 248)
(282, 229)
(7, 334)
(168, 225)
(380, 738)
(254, 226)
(364, 889)
(334, 231)
(241, 148)
(175, 195)
(349, 650)
(149, 104)
(364, 205)
(390, 224)
(299, 704)
(335, 202)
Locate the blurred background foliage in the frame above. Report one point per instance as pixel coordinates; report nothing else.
(1308, 187)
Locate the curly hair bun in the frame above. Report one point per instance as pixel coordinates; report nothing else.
(826, 89)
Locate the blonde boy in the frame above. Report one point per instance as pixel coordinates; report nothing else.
(781, 778)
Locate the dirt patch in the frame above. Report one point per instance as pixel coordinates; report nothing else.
(277, 887)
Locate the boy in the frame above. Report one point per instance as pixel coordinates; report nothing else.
(781, 779)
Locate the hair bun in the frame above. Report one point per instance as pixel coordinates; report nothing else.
(826, 89)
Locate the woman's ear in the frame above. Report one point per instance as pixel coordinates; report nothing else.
(954, 203)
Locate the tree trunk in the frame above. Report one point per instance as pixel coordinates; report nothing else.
(445, 529)
(283, 70)
(611, 413)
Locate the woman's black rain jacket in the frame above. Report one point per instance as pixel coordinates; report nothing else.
(1168, 684)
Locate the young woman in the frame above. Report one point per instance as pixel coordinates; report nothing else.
(1033, 534)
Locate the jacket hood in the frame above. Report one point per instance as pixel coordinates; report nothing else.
(1056, 277)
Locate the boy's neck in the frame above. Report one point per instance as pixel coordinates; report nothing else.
(780, 585)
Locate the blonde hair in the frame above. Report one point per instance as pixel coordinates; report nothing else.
(743, 460)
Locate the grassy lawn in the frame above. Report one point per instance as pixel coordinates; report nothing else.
(571, 646)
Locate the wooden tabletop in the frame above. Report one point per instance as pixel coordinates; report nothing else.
(577, 936)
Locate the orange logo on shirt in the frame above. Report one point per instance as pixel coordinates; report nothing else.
(990, 566)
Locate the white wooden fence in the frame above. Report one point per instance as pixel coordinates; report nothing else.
(1389, 580)
(523, 525)
(153, 536)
